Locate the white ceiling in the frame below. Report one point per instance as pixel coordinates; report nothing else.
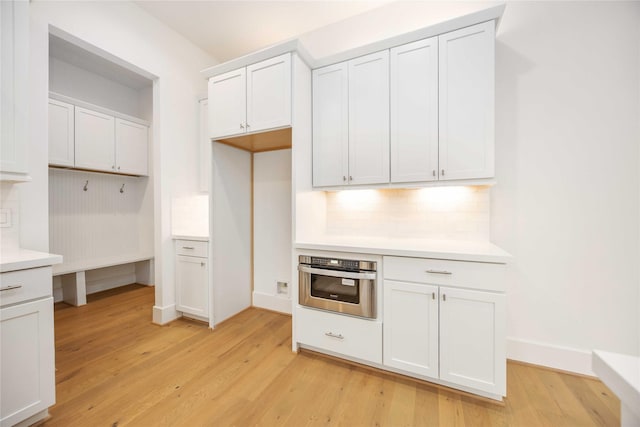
(229, 29)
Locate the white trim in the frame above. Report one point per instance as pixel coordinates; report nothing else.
(272, 302)
(553, 356)
(164, 315)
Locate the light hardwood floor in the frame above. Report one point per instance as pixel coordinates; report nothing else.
(115, 368)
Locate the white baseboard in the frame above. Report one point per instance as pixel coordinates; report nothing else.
(164, 315)
(272, 302)
(104, 284)
(552, 356)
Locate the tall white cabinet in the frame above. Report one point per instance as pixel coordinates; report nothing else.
(351, 122)
(14, 84)
(466, 96)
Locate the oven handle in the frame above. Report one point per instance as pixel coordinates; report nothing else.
(334, 273)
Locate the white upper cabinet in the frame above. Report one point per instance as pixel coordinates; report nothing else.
(94, 138)
(61, 133)
(227, 103)
(251, 99)
(419, 112)
(467, 68)
(351, 122)
(414, 111)
(369, 119)
(14, 85)
(330, 125)
(269, 94)
(131, 148)
(83, 138)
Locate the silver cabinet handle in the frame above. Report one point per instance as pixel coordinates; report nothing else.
(433, 295)
(444, 297)
(340, 274)
(188, 247)
(241, 126)
(344, 178)
(350, 178)
(439, 271)
(10, 288)
(434, 172)
(248, 125)
(118, 167)
(442, 172)
(332, 335)
(202, 264)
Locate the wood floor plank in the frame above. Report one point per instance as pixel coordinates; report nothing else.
(115, 368)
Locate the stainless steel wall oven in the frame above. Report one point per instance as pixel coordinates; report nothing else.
(340, 285)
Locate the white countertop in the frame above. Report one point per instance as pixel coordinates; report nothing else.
(21, 259)
(459, 250)
(621, 373)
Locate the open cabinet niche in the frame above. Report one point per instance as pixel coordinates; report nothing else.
(251, 223)
(102, 223)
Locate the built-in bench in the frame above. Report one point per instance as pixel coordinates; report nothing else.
(73, 281)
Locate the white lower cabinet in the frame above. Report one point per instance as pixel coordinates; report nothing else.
(337, 333)
(192, 278)
(444, 332)
(411, 327)
(27, 351)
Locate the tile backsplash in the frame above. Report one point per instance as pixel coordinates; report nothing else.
(456, 213)
(10, 204)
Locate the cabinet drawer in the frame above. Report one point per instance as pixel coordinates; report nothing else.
(342, 334)
(24, 285)
(466, 274)
(192, 248)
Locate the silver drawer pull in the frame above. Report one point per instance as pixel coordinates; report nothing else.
(188, 247)
(332, 335)
(9, 288)
(439, 272)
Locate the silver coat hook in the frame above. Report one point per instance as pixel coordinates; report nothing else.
(122, 188)
(86, 186)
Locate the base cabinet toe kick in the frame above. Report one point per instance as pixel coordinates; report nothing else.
(441, 321)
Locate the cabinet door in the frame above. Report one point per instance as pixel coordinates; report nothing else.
(14, 84)
(472, 339)
(269, 94)
(61, 133)
(192, 285)
(414, 111)
(330, 125)
(410, 328)
(369, 119)
(27, 360)
(227, 104)
(95, 137)
(132, 148)
(467, 102)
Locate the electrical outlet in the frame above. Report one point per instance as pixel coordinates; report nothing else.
(5, 217)
(283, 288)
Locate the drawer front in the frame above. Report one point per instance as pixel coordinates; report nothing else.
(24, 285)
(192, 248)
(464, 274)
(341, 334)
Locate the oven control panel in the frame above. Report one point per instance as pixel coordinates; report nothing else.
(337, 263)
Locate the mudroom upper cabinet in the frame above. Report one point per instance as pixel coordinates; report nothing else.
(251, 99)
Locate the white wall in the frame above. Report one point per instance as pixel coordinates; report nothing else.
(125, 31)
(567, 200)
(67, 79)
(567, 206)
(271, 229)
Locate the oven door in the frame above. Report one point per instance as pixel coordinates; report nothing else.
(340, 291)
